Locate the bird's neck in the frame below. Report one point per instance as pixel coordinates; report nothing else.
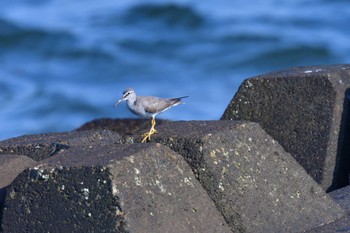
(132, 100)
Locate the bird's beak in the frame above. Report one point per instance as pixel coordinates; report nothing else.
(119, 101)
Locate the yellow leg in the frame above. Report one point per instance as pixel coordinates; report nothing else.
(147, 136)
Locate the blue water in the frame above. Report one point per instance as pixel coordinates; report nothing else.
(63, 62)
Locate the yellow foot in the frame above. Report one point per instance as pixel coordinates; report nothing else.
(147, 136)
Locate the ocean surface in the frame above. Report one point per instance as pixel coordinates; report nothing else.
(64, 62)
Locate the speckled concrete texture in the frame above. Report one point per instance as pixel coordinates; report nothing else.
(114, 188)
(255, 184)
(306, 109)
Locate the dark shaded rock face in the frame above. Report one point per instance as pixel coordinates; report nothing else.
(306, 109)
(65, 199)
(42, 146)
(115, 188)
(255, 184)
(341, 196)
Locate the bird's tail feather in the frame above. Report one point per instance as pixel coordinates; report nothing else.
(177, 100)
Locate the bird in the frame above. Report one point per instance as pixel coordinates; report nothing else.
(147, 107)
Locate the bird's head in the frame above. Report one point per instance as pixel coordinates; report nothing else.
(127, 94)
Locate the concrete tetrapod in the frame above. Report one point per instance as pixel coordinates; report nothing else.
(111, 188)
(255, 184)
(306, 109)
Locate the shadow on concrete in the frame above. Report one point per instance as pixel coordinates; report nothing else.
(342, 167)
(2, 204)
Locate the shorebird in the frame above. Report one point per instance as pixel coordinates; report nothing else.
(147, 107)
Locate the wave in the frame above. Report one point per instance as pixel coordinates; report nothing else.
(46, 43)
(25, 38)
(286, 56)
(170, 15)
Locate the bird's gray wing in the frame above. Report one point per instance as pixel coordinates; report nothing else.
(154, 104)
